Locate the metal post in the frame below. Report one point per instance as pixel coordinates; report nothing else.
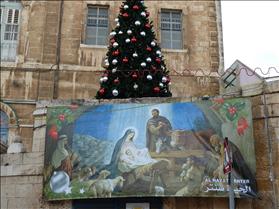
(230, 180)
(231, 192)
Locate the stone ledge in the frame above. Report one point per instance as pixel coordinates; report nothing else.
(21, 170)
(32, 158)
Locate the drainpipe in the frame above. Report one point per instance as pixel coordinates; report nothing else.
(220, 43)
(58, 53)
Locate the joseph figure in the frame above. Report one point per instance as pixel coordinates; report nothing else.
(158, 131)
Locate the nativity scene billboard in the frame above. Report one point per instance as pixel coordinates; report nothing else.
(160, 149)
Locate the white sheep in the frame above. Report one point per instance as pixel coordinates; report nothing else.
(104, 187)
(159, 191)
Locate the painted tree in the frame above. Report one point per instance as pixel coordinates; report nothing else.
(134, 65)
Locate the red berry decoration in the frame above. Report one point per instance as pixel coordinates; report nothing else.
(112, 40)
(158, 60)
(125, 15)
(148, 49)
(242, 124)
(168, 79)
(53, 132)
(156, 89)
(147, 14)
(125, 60)
(135, 7)
(134, 40)
(116, 81)
(61, 117)
(134, 76)
(147, 25)
(102, 91)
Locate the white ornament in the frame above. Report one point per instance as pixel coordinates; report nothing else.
(158, 52)
(113, 33)
(149, 77)
(115, 92)
(164, 79)
(129, 32)
(127, 40)
(137, 23)
(153, 43)
(118, 24)
(120, 32)
(114, 70)
(135, 55)
(143, 64)
(142, 33)
(101, 80)
(135, 86)
(59, 182)
(161, 85)
(148, 59)
(114, 61)
(115, 44)
(169, 83)
(106, 62)
(105, 79)
(143, 14)
(116, 19)
(126, 6)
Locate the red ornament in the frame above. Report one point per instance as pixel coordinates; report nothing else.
(53, 132)
(125, 60)
(148, 49)
(116, 53)
(158, 60)
(116, 81)
(61, 117)
(102, 91)
(134, 40)
(147, 25)
(135, 7)
(134, 75)
(156, 89)
(125, 15)
(112, 40)
(147, 14)
(168, 79)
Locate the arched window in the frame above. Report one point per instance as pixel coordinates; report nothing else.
(10, 22)
(4, 130)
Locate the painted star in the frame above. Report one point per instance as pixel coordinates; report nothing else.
(81, 191)
(68, 190)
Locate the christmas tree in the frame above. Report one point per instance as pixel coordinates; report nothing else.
(134, 63)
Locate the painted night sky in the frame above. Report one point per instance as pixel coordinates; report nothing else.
(109, 122)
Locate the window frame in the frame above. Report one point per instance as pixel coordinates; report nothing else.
(171, 22)
(97, 18)
(10, 38)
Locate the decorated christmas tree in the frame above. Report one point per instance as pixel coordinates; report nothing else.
(134, 63)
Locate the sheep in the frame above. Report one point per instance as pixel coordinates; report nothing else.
(159, 191)
(104, 187)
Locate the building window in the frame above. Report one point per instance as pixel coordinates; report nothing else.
(4, 128)
(10, 22)
(97, 26)
(171, 29)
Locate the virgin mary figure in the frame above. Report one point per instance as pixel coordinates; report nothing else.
(127, 157)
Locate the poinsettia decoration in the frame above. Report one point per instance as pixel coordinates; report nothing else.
(59, 117)
(233, 111)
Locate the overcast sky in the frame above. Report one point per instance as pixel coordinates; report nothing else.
(251, 34)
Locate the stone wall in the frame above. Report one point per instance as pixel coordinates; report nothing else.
(21, 174)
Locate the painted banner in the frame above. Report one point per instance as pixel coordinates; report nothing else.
(160, 149)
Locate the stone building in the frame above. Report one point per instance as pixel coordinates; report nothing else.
(49, 53)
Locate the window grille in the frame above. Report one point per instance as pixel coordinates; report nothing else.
(97, 26)
(171, 29)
